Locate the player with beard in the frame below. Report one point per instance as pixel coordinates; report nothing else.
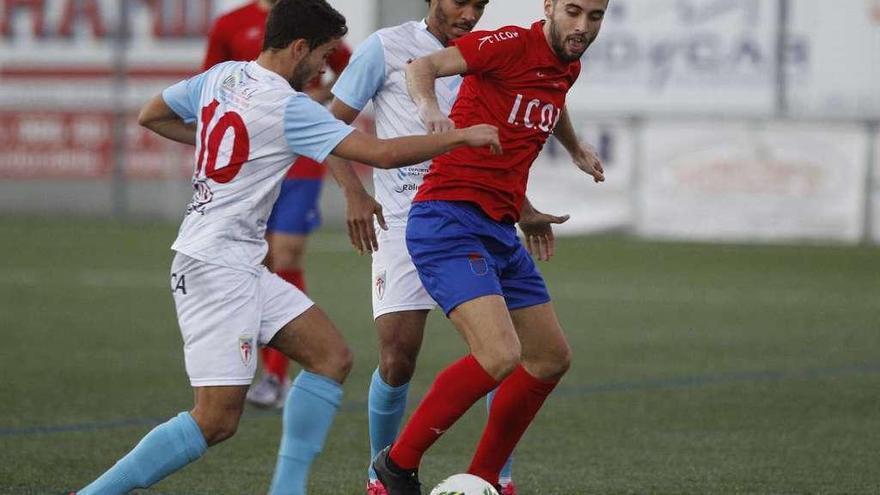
(238, 35)
(400, 302)
(248, 122)
(462, 238)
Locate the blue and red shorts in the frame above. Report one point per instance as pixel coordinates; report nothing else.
(462, 254)
(296, 210)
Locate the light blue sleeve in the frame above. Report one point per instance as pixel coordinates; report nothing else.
(184, 97)
(364, 76)
(310, 129)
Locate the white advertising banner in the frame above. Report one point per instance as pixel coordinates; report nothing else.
(557, 186)
(747, 182)
(875, 203)
(675, 56)
(834, 58)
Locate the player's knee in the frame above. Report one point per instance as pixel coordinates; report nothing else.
(507, 363)
(561, 363)
(397, 368)
(336, 363)
(287, 256)
(501, 361)
(552, 365)
(217, 430)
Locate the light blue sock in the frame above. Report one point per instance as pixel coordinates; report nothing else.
(309, 410)
(166, 449)
(386, 406)
(507, 470)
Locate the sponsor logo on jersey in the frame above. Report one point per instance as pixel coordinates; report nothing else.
(414, 171)
(201, 198)
(246, 345)
(380, 285)
(408, 187)
(497, 37)
(232, 80)
(254, 32)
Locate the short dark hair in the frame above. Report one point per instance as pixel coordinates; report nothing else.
(312, 20)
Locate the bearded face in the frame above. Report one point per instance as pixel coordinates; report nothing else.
(574, 25)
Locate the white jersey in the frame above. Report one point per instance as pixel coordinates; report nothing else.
(377, 72)
(251, 127)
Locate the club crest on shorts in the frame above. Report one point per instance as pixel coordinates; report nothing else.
(246, 346)
(380, 285)
(479, 265)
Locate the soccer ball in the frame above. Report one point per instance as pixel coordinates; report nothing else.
(464, 484)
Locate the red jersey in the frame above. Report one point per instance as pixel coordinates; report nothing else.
(238, 35)
(516, 82)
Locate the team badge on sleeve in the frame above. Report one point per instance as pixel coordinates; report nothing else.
(246, 346)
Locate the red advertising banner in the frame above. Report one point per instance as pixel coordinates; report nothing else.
(79, 145)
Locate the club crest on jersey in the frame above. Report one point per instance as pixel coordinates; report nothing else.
(246, 346)
(380, 285)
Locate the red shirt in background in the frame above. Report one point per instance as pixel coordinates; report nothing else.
(516, 82)
(238, 35)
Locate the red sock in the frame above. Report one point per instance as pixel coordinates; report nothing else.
(296, 277)
(514, 406)
(274, 362)
(454, 391)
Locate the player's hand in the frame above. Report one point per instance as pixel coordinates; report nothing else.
(587, 159)
(435, 121)
(537, 229)
(483, 135)
(360, 209)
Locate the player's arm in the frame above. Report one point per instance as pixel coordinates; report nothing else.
(312, 131)
(342, 171)
(362, 76)
(584, 155)
(421, 75)
(537, 229)
(158, 117)
(410, 150)
(173, 113)
(360, 207)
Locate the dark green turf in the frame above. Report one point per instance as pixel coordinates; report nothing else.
(698, 369)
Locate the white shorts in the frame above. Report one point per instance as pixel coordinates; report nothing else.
(396, 283)
(224, 314)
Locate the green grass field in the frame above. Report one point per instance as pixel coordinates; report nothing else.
(699, 369)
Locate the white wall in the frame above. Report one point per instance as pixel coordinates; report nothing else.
(875, 214)
(775, 181)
